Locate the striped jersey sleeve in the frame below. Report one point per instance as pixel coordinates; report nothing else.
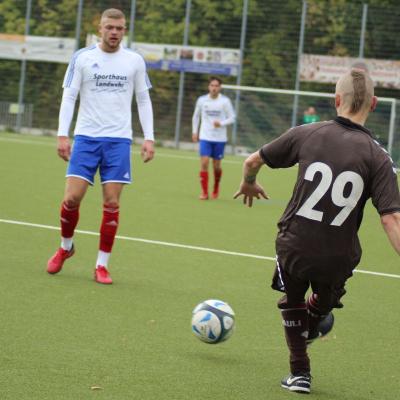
(73, 76)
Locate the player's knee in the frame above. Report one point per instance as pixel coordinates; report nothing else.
(114, 204)
(284, 303)
(320, 305)
(72, 201)
(323, 303)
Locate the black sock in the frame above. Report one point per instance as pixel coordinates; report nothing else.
(314, 314)
(295, 322)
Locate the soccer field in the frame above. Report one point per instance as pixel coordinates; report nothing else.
(66, 337)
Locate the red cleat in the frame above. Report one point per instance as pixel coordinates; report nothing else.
(214, 195)
(203, 196)
(56, 262)
(101, 275)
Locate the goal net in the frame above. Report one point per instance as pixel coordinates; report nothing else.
(265, 113)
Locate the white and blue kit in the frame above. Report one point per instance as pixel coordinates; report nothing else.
(103, 132)
(207, 111)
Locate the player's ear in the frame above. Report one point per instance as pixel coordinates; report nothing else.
(338, 101)
(374, 103)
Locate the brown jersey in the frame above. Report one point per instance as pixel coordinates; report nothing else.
(341, 166)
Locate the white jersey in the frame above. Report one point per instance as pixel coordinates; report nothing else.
(210, 110)
(106, 83)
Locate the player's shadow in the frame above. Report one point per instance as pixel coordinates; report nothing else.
(343, 395)
(217, 358)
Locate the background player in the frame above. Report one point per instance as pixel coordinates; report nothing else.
(310, 115)
(105, 75)
(340, 166)
(215, 112)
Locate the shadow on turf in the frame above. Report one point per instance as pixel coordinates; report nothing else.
(216, 357)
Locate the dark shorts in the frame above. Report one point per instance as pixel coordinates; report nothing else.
(213, 150)
(111, 157)
(295, 288)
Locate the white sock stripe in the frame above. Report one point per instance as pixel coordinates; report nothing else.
(66, 243)
(102, 259)
(312, 301)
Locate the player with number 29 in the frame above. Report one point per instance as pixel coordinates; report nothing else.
(340, 167)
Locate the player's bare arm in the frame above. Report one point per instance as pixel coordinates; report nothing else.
(195, 137)
(391, 225)
(63, 147)
(249, 188)
(147, 151)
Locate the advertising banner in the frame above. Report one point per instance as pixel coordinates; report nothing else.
(203, 60)
(328, 69)
(36, 48)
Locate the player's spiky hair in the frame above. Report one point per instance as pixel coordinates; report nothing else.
(357, 90)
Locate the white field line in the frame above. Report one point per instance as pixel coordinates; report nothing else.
(182, 246)
(158, 154)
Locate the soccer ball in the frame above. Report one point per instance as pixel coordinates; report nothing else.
(213, 321)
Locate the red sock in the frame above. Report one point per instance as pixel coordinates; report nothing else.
(204, 181)
(217, 178)
(109, 226)
(69, 219)
(295, 322)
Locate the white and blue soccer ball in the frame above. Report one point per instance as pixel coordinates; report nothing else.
(213, 321)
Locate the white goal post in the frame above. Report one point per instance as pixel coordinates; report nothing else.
(268, 97)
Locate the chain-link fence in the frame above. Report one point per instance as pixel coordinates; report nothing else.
(276, 34)
(9, 113)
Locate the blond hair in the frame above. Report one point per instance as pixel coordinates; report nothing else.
(113, 13)
(357, 90)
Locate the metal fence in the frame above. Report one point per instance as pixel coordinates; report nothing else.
(271, 36)
(10, 113)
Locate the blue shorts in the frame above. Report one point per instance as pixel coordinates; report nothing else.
(111, 157)
(214, 150)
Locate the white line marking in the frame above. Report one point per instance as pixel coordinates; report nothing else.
(158, 154)
(182, 246)
(28, 141)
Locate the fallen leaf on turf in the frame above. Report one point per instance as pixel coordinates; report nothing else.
(96, 388)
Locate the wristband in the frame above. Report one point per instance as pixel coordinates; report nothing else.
(250, 179)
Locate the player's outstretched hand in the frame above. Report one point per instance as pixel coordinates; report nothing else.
(63, 147)
(147, 151)
(249, 191)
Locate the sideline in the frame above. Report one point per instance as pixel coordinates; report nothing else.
(40, 142)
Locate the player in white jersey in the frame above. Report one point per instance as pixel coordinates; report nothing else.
(105, 75)
(215, 112)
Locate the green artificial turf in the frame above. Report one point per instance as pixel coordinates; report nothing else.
(66, 337)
